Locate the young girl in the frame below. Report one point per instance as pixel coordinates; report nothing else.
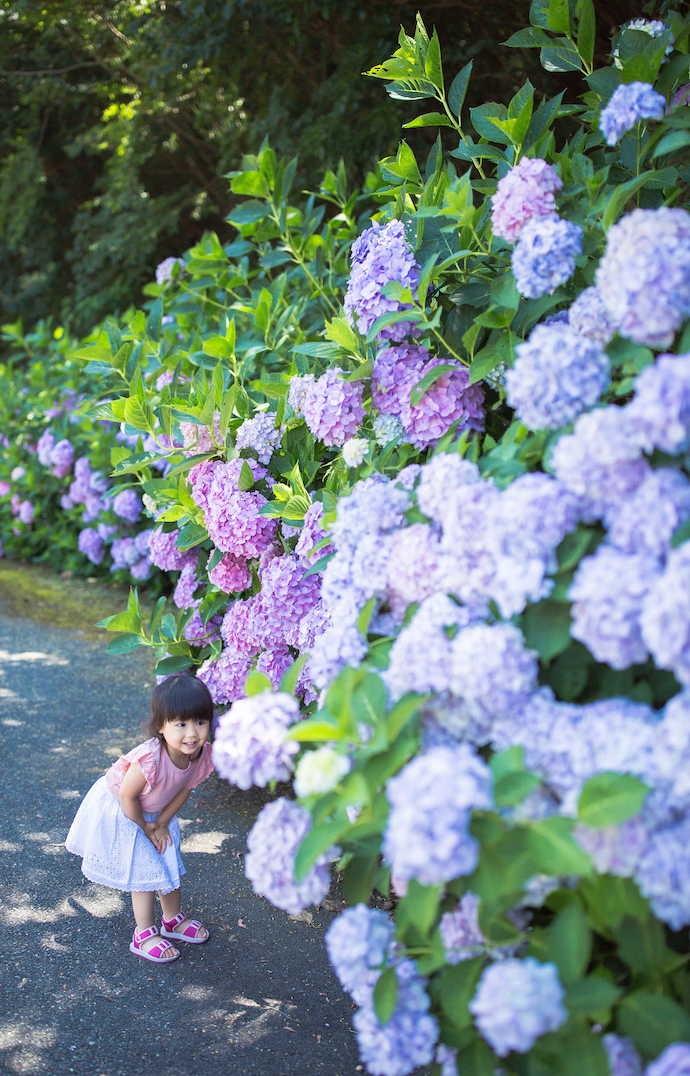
(126, 829)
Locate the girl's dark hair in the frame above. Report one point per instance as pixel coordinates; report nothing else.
(179, 698)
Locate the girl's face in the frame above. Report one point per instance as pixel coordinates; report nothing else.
(185, 739)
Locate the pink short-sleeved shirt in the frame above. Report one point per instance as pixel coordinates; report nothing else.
(163, 778)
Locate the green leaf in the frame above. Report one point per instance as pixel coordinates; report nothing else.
(137, 462)
(586, 30)
(432, 62)
(418, 907)
(246, 480)
(590, 996)
(609, 798)
(365, 616)
(484, 362)
(560, 58)
(553, 846)
(430, 119)
(569, 943)
(319, 351)
(250, 183)
(218, 348)
(291, 675)
(456, 988)
(512, 782)
(615, 201)
(358, 878)
(672, 142)
(402, 713)
(652, 1021)
(558, 16)
(429, 379)
(248, 213)
(681, 534)
(139, 415)
(167, 666)
(458, 89)
(340, 331)
(532, 37)
(546, 627)
(153, 321)
(122, 644)
(256, 683)
(128, 620)
(318, 840)
(386, 995)
(314, 730)
(190, 536)
(642, 945)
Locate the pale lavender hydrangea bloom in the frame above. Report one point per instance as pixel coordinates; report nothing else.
(358, 943)
(557, 375)
(387, 428)
(232, 517)
(446, 1058)
(259, 433)
(333, 408)
(624, 1059)
(589, 317)
(127, 505)
(659, 413)
(375, 505)
(420, 658)
(26, 512)
(674, 1061)
(298, 390)
(408, 1038)
(644, 275)
(165, 378)
(608, 592)
(665, 618)
(615, 849)
(427, 835)
(600, 461)
(270, 864)
(164, 270)
(107, 530)
(44, 446)
(183, 595)
(226, 677)
(413, 565)
(380, 255)
(61, 458)
(274, 662)
(645, 520)
(438, 477)
(340, 644)
(664, 874)
(460, 933)
(629, 103)
(231, 574)
(545, 255)
(250, 745)
(311, 534)
(17, 473)
(124, 554)
(525, 193)
(141, 570)
(66, 502)
(516, 1002)
(287, 595)
(165, 554)
(91, 545)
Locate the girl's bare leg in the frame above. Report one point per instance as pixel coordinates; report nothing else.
(170, 903)
(142, 905)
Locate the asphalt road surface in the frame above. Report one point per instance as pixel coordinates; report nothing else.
(258, 998)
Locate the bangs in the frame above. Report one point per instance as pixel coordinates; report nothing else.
(181, 698)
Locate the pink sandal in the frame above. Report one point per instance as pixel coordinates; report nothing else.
(155, 953)
(189, 934)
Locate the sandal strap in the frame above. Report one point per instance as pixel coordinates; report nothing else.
(175, 921)
(148, 932)
(195, 926)
(159, 948)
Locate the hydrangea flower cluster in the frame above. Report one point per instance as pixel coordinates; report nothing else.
(545, 255)
(525, 193)
(557, 374)
(629, 103)
(380, 255)
(91, 545)
(260, 434)
(589, 317)
(61, 458)
(232, 516)
(644, 275)
(427, 835)
(332, 407)
(354, 451)
(164, 270)
(623, 1058)
(410, 1035)
(127, 505)
(320, 771)
(270, 863)
(249, 746)
(231, 574)
(359, 941)
(164, 553)
(516, 1002)
(674, 1061)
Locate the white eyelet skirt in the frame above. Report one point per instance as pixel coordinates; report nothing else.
(114, 850)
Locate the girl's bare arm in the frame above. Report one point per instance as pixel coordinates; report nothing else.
(133, 784)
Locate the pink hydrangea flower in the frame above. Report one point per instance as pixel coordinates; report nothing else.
(232, 517)
(231, 574)
(525, 193)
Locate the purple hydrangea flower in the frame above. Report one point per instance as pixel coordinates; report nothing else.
(91, 545)
(624, 1059)
(413, 566)
(644, 275)
(421, 655)
(664, 874)
(601, 461)
(259, 433)
(516, 1002)
(525, 193)
(61, 458)
(270, 864)
(408, 1038)
(287, 595)
(141, 570)
(274, 662)
(66, 502)
(545, 255)
(589, 317)
(629, 103)
(665, 618)
(608, 593)
(183, 595)
(380, 255)
(339, 645)
(645, 520)
(164, 270)
(674, 1061)
(124, 554)
(44, 446)
(311, 534)
(231, 574)
(226, 677)
(127, 505)
(358, 943)
(165, 554)
(249, 746)
(166, 378)
(232, 516)
(107, 530)
(659, 413)
(26, 512)
(427, 835)
(460, 933)
(557, 375)
(332, 407)
(440, 475)
(298, 390)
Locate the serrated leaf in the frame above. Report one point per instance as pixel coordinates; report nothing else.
(458, 89)
(190, 535)
(652, 1021)
(217, 347)
(291, 676)
(560, 58)
(139, 415)
(246, 479)
(592, 995)
(137, 462)
(532, 37)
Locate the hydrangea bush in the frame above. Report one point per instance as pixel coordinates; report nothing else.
(430, 513)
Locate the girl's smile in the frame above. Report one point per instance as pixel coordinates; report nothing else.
(184, 739)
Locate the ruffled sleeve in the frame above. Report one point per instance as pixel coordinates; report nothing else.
(147, 757)
(203, 767)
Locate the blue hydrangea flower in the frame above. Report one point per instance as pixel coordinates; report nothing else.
(516, 1002)
(624, 1059)
(358, 943)
(270, 863)
(630, 103)
(644, 275)
(589, 317)
(674, 1061)
(645, 520)
(545, 255)
(408, 1038)
(427, 835)
(557, 374)
(379, 256)
(660, 410)
(664, 874)
(665, 618)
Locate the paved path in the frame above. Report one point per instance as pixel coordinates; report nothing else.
(259, 998)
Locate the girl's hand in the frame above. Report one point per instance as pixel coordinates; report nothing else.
(150, 831)
(162, 836)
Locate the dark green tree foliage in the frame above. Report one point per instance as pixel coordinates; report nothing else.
(118, 120)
